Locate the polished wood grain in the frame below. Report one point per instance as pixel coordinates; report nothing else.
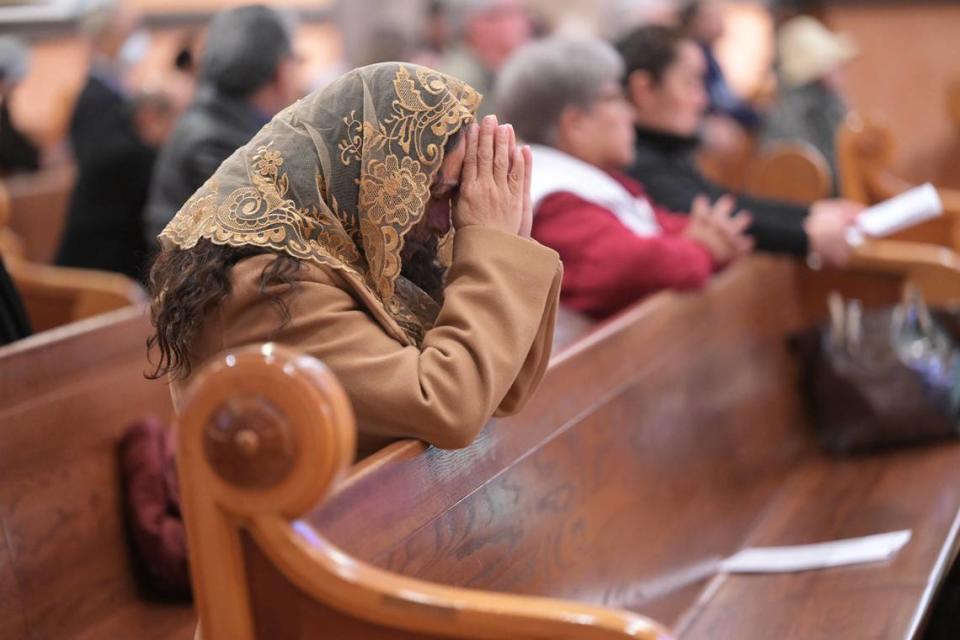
(878, 269)
(55, 296)
(630, 423)
(38, 204)
(826, 499)
(570, 327)
(865, 153)
(260, 574)
(65, 398)
(667, 438)
(790, 171)
(661, 441)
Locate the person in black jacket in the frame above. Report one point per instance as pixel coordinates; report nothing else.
(114, 162)
(664, 80)
(247, 74)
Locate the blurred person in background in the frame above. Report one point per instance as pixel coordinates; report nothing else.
(564, 96)
(664, 81)
(248, 72)
(488, 32)
(810, 106)
(104, 226)
(436, 30)
(702, 22)
(17, 151)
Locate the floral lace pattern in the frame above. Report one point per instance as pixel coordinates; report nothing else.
(339, 179)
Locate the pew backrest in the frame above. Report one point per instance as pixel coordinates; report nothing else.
(791, 171)
(57, 296)
(662, 441)
(66, 397)
(38, 210)
(866, 153)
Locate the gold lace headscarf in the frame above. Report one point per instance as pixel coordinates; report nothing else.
(338, 179)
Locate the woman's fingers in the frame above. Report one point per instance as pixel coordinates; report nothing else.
(527, 174)
(469, 171)
(740, 222)
(526, 223)
(501, 154)
(488, 130)
(515, 186)
(723, 207)
(700, 207)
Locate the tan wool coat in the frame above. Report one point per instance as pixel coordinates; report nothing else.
(485, 355)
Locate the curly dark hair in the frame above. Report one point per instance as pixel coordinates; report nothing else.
(187, 283)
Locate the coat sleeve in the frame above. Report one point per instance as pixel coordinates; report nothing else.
(606, 266)
(487, 351)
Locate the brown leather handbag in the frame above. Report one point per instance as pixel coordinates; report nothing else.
(882, 377)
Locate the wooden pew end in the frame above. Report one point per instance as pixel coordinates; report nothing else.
(264, 434)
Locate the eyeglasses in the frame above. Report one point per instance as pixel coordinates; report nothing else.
(611, 95)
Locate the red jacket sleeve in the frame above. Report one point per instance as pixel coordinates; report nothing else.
(606, 266)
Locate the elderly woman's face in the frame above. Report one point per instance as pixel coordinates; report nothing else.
(601, 134)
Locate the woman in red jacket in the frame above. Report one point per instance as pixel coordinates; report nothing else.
(564, 96)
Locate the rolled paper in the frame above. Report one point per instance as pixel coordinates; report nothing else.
(900, 212)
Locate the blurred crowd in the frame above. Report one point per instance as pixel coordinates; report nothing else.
(627, 119)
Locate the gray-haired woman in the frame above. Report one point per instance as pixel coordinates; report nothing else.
(565, 96)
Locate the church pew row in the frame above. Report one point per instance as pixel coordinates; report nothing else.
(662, 440)
(798, 172)
(866, 153)
(70, 392)
(65, 398)
(56, 296)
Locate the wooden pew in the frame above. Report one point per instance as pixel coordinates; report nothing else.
(790, 171)
(667, 438)
(39, 209)
(55, 296)
(728, 167)
(948, 162)
(879, 268)
(866, 153)
(65, 398)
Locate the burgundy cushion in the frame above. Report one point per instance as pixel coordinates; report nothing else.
(152, 503)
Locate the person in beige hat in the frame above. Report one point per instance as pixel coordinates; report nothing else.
(811, 104)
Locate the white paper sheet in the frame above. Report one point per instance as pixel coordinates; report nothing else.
(900, 212)
(817, 556)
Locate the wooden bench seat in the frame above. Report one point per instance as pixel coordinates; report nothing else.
(65, 398)
(661, 441)
(829, 498)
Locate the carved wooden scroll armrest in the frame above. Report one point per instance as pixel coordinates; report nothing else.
(264, 433)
